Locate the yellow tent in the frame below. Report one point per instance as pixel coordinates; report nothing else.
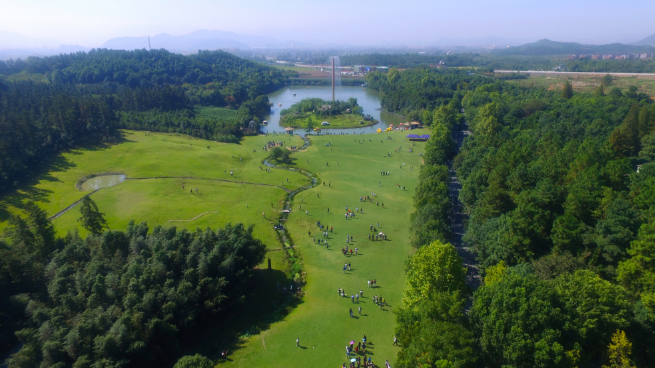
(379, 130)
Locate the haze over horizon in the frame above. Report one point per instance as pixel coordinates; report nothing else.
(91, 24)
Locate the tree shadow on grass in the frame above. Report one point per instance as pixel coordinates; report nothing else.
(263, 305)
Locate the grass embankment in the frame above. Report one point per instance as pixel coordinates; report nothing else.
(322, 322)
(159, 200)
(336, 122)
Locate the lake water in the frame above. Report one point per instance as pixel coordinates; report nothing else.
(367, 98)
(103, 181)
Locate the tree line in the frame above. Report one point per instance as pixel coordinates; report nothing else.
(559, 218)
(115, 298)
(84, 99)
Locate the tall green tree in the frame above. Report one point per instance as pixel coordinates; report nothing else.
(599, 91)
(90, 216)
(434, 268)
(440, 147)
(607, 80)
(567, 90)
(625, 138)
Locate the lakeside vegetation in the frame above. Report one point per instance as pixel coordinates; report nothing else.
(309, 113)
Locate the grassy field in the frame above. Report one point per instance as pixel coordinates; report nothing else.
(336, 122)
(583, 83)
(322, 321)
(159, 200)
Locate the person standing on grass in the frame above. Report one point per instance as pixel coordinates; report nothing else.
(351, 312)
(369, 283)
(352, 298)
(360, 311)
(298, 342)
(356, 249)
(395, 340)
(357, 297)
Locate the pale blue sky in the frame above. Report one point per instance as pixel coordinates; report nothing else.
(91, 22)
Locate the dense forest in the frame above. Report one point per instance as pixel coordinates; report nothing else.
(115, 299)
(560, 219)
(86, 97)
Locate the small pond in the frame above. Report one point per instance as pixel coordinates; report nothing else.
(367, 98)
(102, 181)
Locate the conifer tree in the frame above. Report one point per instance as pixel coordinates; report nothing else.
(625, 138)
(607, 79)
(644, 121)
(92, 219)
(619, 351)
(600, 91)
(567, 90)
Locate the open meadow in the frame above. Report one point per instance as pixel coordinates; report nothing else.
(159, 200)
(348, 167)
(322, 321)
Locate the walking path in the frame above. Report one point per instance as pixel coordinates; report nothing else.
(458, 216)
(195, 218)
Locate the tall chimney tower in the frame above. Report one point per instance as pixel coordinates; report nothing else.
(333, 74)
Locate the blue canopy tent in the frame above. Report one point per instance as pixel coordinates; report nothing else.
(416, 137)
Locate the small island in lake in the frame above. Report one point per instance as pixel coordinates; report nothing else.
(313, 113)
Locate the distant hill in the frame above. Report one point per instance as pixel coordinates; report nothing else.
(477, 41)
(194, 41)
(172, 43)
(548, 47)
(648, 41)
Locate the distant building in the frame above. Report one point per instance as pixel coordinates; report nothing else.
(643, 56)
(572, 57)
(608, 57)
(595, 57)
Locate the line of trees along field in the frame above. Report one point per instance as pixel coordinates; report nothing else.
(116, 298)
(562, 224)
(508, 62)
(86, 97)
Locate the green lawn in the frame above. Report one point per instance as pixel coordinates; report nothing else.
(159, 200)
(322, 322)
(336, 122)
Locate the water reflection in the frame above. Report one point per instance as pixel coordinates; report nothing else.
(368, 99)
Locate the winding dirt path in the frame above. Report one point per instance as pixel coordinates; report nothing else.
(195, 218)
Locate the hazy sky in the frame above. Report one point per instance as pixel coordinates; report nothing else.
(91, 22)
